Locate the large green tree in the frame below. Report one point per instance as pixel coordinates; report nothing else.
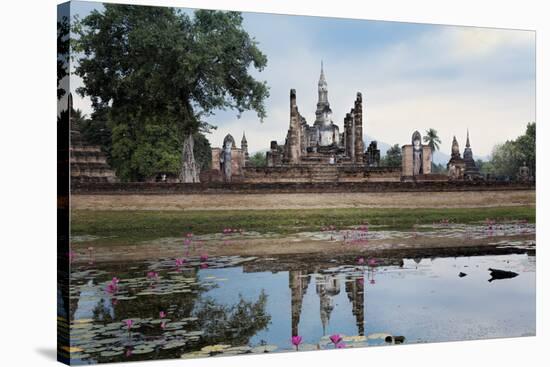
(161, 73)
(392, 157)
(507, 158)
(63, 50)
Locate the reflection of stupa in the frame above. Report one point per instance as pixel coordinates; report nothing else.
(298, 281)
(327, 286)
(355, 288)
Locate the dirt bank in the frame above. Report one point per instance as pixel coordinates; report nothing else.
(298, 245)
(468, 199)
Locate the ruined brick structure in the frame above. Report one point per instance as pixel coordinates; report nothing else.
(456, 165)
(416, 159)
(88, 163)
(236, 159)
(321, 142)
(471, 170)
(317, 153)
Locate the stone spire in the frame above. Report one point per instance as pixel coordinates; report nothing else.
(455, 150)
(323, 112)
(471, 170)
(244, 148)
(322, 80)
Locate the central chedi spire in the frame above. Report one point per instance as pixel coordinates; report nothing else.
(323, 114)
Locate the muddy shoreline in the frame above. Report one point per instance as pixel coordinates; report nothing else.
(293, 246)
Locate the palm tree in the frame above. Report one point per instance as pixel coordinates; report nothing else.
(432, 139)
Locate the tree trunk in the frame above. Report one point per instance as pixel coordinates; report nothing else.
(189, 168)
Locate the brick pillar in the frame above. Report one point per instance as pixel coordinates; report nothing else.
(358, 125)
(348, 144)
(294, 131)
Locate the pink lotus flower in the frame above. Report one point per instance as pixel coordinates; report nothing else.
(204, 266)
(296, 340)
(112, 287)
(189, 235)
(340, 345)
(360, 261)
(129, 323)
(372, 262)
(180, 262)
(336, 338)
(71, 255)
(163, 325)
(152, 275)
(162, 314)
(204, 257)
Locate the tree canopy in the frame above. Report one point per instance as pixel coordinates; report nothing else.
(156, 74)
(507, 158)
(258, 159)
(392, 157)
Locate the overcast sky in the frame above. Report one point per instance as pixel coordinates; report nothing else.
(412, 77)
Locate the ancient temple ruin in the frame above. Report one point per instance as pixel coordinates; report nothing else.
(88, 163)
(229, 160)
(321, 142)
(416, 158)
(471, 170)
(325, 153)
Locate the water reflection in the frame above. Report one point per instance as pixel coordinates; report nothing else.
(236, 306)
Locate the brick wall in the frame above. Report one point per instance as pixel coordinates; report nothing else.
(291, 187)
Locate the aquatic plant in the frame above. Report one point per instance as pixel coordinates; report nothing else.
(335, 339)
(296, 341)
(112, 287)
(129, 324)
(71, 254)
(162, 314)
(180, 262)
(152, 275)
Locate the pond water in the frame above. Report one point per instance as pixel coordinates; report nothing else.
(233, 305)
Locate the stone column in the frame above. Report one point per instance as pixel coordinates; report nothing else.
(294, 131)
(358, 125)
(189, 169)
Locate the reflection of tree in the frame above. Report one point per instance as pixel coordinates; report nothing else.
(234, 324)
(174, 304)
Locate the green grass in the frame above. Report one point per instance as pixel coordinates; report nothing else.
(133, 226)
